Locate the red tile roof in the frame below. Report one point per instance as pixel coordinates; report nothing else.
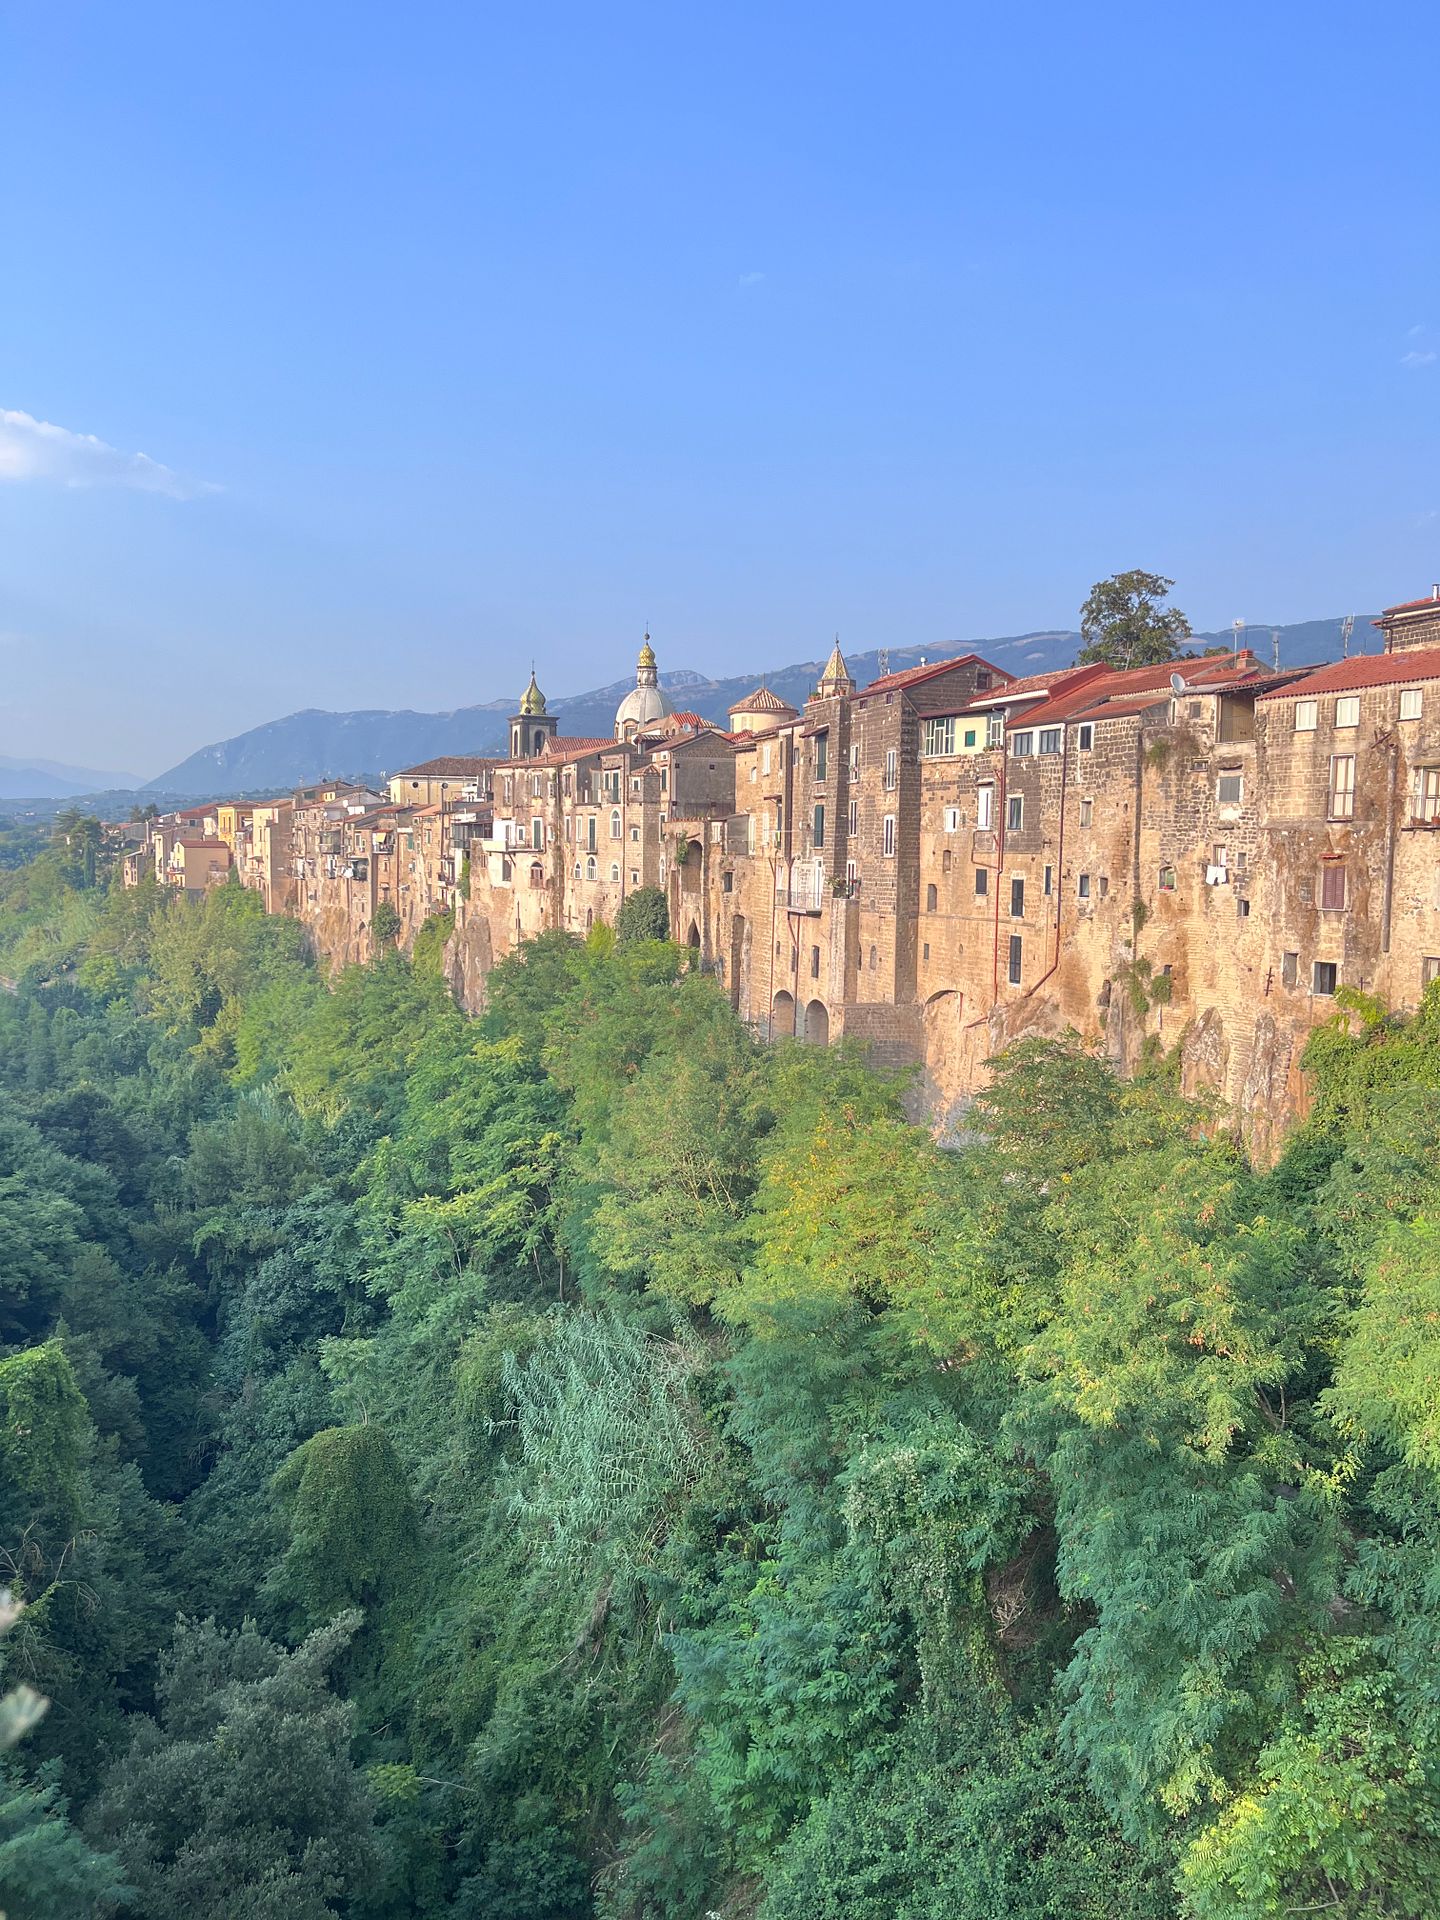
(1366, 670)
(448, 765)
(564, 747)
(911, 676)
(1431, 599)
(762, 700)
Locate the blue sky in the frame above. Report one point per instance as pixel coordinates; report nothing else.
(461, 333)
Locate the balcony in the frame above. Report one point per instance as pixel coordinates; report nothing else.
(806, 892)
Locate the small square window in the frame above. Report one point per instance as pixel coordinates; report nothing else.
(1347, 713)
(1082, 887)
(1167, 879)
(1085, 736)
(952, 819)
(1307, 715)
(1429, 970)
(1412, 703)
(972, 736)
(1242, 907)
(1230, 788)
(1022, 745)
(1323, 977)
(1050, 740)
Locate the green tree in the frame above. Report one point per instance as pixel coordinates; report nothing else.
(1125, 623)
(643, 915)
(242, 1797)
(386, 924)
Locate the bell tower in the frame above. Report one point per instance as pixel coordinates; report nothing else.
(532, 726)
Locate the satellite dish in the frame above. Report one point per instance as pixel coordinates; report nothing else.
(1177, 685)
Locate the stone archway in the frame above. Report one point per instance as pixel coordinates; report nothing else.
(692, 938)
(817, 1023)
(782, 1016)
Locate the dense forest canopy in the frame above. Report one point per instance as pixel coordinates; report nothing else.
(584, 1461)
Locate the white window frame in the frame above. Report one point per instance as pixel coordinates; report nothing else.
(1085, 737)
(1412, 702)
(1022, 744)
(1307, 716)
(1340, 792)
(1237, 774)
(939, 740)
(995, 729)
(952, 819)
(887, 836)
(1347, 710)
(1049, 740)
(1015, 813)
(892, 769)
(985, 806)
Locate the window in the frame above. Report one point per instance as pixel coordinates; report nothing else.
(1048, 886)
(852, 818)
(995, 730)
(1332, 886)
(1017, 953)
(1429, 970)
(1347, 710)
(939, 737)
(984, 807)
(615, 872)
(615, 824)
(634, 833)
(1167, 880)
(887, 835)
(1087, 813)
(1017, 899)
(945, 861)
(982, 882)
(1049, 739)
(932, 898)
(952, 819)
(817, 827)
(1104, 886)
(855, 763)
(1289, 969)
(982, 679)
(1085, 736)
(852, 876)
(765, 758)
(1230, 787)
(1342, 786)
(971, 737)
(822, 755)
(814, 963)
(1307, 715)
(1323, 976)
(1082, 887)
(1412, 703)
(590, 833)
(537, 833)
(1242, 907)
(727, 881)
(891, 766)
(927, 950)
(1022, 745)
(1015, 812)
(1425, 795)
(590, 868)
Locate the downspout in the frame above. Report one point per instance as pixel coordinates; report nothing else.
(999, 874)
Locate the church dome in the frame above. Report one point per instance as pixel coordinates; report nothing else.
(647, 701)
(533, 700)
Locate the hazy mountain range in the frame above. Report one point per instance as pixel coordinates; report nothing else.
(306, 746)
(54, 780)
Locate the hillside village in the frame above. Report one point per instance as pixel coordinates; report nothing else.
(935, 863)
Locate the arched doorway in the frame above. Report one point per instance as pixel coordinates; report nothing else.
(817, 1024)
(782, 1016)
(692, 938)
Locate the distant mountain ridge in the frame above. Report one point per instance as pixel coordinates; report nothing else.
(308, 745)
(54, 779)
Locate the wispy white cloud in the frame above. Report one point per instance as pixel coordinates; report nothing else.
(32, 449)
(1415, 358)
(751, 279)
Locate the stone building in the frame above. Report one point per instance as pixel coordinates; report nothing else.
(1200, 854)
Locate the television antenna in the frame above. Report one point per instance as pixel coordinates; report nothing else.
(884, 659)
(1237, 634)
(1347, 627)
(1275, 646)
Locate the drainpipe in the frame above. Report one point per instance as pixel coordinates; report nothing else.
(999, 873)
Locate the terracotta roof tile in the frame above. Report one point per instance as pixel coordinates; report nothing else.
(911, 676)
(762, 700)
(448, 765)
(1366, 670)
